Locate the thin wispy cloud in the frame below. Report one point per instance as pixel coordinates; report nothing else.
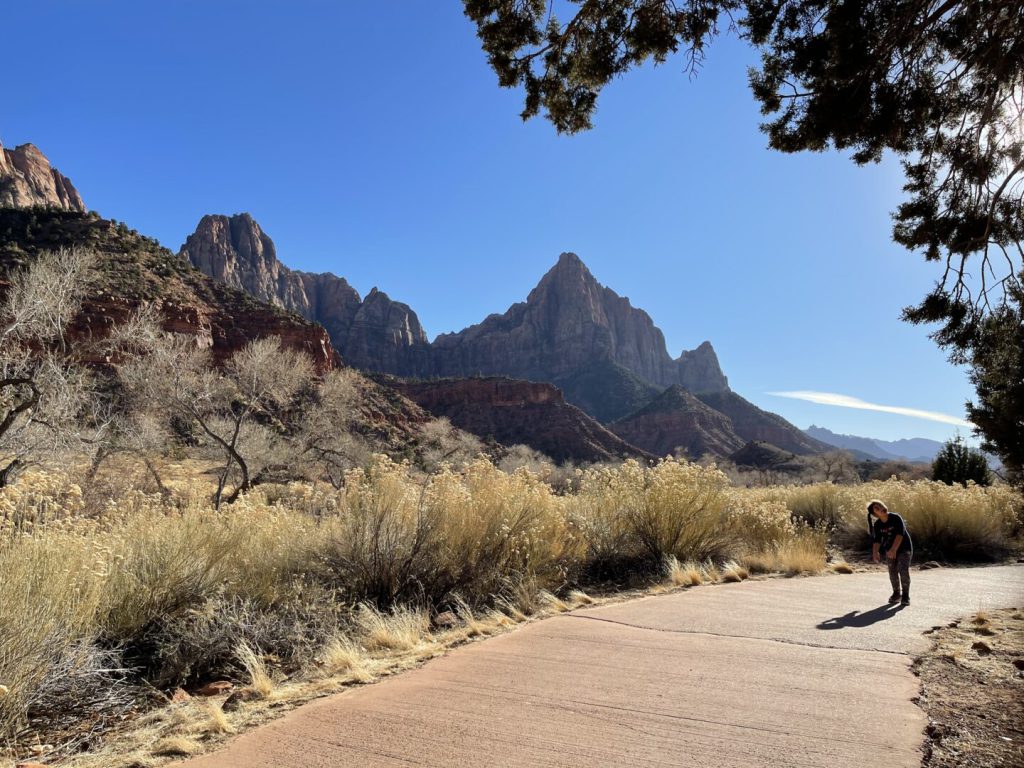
(845, 401)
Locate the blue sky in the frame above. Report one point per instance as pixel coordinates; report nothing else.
(378, 146)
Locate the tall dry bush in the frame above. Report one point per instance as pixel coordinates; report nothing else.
(818, 505)
(646, 514)
(395, 540)
(496, 528)
(49, 662)
(953, 523)
(163, 565)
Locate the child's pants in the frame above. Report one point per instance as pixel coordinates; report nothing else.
(899, 573)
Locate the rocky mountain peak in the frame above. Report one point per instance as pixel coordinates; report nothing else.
(376, 333)
(28, 180)
(568, 278)
(700, 371)
(234, 250)
(570, 265)
(673, 397)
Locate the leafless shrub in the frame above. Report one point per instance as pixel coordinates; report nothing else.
(202, 644)
(265, 417)
(446, 444)
(45, 390)
(68, 682)
(835, 467)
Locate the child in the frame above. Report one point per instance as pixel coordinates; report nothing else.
(889, 532)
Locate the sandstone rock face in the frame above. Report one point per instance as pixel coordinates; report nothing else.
(386, 336)
(519, 412)
(330, 301)
(28, 180)
(567, 322)
(699, 370)
(675, 421)
(376, 334)
(236, 252)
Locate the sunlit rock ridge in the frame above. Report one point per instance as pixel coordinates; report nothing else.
(568, 321)
(27, 180)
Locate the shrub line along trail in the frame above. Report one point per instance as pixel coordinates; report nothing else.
(773, 673)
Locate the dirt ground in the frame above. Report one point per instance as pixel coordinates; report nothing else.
(972, 688)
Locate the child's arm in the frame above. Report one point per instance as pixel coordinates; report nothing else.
(900, 535)
(895, 546)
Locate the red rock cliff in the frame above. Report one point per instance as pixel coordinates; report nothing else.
(28, 180)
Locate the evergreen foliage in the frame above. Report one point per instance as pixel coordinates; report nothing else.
(959, 463)
(997, 372)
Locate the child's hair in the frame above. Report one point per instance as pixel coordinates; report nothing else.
(871, 506)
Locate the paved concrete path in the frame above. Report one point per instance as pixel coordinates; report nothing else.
(795, 672)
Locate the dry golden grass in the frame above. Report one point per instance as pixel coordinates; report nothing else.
(501, 620)
(286, 557)
(552, 602)
(511, 609)
(841, 566)
(177, 746)
(686, 574)
(402, 629)
(260, 681)
(578, 597)
(709, 572)
(472, 626)
(342, 656)
(803, 554)
(733, 572)
(217, 722)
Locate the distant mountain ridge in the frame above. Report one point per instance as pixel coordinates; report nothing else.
(607, 356)
(567, 323)
(919, 449)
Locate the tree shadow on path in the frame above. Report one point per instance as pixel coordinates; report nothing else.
(858, 619)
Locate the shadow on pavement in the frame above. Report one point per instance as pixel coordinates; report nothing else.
(857, 619)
